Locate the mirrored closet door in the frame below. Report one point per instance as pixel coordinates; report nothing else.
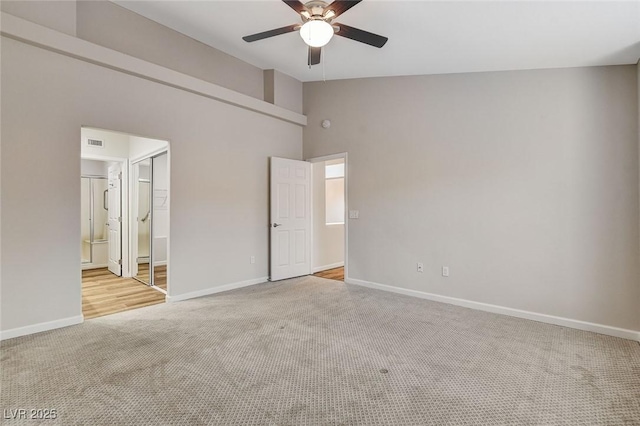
(142, 224)
(150, 227)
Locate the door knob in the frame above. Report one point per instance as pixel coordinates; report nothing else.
(275, 225)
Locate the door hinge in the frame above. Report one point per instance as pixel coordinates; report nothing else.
(120, 175)
(119, 261)
(120, 219)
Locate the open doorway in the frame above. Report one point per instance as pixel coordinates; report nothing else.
(110, 217)
(329, 216)
(308, 202)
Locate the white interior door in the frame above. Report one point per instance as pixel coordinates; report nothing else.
(290, 218)
(115, 219)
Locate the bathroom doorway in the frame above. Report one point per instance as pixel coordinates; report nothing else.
(124, 221)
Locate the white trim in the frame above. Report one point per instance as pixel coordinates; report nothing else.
(496, 309)
(88, 266)
(155, 153)
(98, 157)
(327, 157)
(160, 263)
(218, 289)
(46, 38)
(161, 290)
(327, 267)
(38, 328)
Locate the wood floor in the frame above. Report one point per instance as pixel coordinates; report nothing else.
(332, 274)
(160, 275)
(104, 293)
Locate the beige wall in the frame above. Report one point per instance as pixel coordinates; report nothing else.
(283, 90)
(110, 25)
(525, 184)
(219, 174)
(58, 15)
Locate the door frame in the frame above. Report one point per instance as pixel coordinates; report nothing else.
(133, 228)
(323, 158)
(124, 206)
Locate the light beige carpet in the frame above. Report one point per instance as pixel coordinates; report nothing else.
(315, 351)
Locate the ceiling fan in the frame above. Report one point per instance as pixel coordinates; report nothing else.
(317, 26)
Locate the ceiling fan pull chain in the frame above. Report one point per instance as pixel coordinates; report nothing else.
(324, 77)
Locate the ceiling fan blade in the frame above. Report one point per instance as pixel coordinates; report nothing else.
(295, 5)
(270, 33)
(361, 35)
(341, 6)
(314, 55)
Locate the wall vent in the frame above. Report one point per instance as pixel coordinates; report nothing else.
(95, 143)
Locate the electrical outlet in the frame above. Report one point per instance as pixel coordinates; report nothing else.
(420, 267)
(354, 214)
(445, 271)
(252, 260)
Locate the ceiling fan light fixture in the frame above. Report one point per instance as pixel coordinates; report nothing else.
(316, 33)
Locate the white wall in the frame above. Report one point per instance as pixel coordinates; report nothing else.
(116, 145)
(328, 240)
(219, 164)
(524, 183)
(140, 148)
(94, 168)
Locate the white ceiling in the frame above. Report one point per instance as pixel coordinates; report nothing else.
(425, 37)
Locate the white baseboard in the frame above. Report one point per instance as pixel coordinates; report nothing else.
(496, 309)
(218, 289)
(160, 263)
(88, 266)
(325, 267)
(38, 328)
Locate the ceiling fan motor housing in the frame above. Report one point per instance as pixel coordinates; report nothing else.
(316, 8)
